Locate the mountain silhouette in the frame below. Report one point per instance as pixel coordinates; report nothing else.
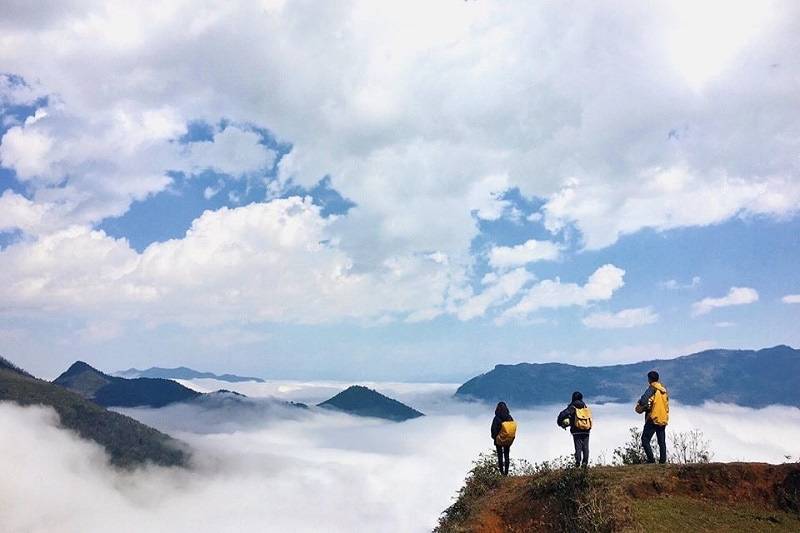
(182, 372)
(751, 378)
(362, 401)
(111, 391)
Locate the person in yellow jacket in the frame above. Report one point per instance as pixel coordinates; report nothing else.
(503, 431)
(654, 403)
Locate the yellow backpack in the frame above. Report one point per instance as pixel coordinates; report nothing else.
(508, 430)
(583, 418)
(659, 406)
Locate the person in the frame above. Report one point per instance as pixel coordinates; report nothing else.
(578, 418)
(504, 430)
(654, 403)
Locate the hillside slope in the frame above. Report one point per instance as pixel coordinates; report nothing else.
(751, 378)
(362, 401)
(735, 497)
(128, 442)
(111, 391)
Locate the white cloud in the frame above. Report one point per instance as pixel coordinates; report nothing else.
(791, 299)
(411, 109)
(552, 293)
(499, 289)
(735, 296)
(233, 151)
(627, 318)
(274, 261)
(724, 324)
(672, 284)
(365, 475)
(603, 213)
(528, 252)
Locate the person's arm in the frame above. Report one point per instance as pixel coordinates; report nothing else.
(566, 413)
(644, 401)
(495, 427)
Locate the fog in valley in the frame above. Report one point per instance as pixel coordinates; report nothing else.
(268, 466)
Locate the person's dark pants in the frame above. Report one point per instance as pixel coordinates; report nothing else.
(581, 441)
(502, 458)
(661, 437)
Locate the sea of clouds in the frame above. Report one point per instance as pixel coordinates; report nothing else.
(274, 468)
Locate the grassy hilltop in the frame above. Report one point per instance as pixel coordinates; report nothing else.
(734, 497)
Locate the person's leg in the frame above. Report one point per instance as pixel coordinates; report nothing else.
(585, 446)
(499, 450)
(661, 436)
(576, 440)
(506, 453)
(647, 436)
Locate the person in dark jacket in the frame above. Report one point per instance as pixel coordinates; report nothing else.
(501, 414)
(580, 437)
(654, 403)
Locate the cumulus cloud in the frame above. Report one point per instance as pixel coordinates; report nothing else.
(363, 474)
(791, 299)
(407, 115)
(271, 261)
(735, 296)
(497, 290)
(548, 293)
(626, 318)
(522, 254)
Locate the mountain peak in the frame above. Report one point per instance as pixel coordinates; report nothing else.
(78, 367)
(363, 401)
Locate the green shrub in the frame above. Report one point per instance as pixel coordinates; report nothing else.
(630, 453)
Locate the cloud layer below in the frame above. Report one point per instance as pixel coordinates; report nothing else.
(315, 471)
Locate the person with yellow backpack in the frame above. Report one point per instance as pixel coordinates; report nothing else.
(504, 431)
(578, 418)
(654, 403)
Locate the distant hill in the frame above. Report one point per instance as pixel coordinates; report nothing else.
(181, 372)
(128, 442)
(744, 377)
(730, 498)
(361, 401)
(111, 391)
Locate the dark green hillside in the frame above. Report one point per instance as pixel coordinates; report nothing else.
(128, 442)
(744, 377)
(110, 391)
(361, 401)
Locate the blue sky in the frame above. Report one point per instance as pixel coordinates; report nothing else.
(420, 201)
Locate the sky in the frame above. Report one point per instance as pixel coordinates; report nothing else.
(317, 470)
(405, 191)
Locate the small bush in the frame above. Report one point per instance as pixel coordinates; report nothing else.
(582, 505)
(630, 453)
(689, 447)
(684, 447)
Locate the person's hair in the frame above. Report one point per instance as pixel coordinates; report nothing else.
(577, 396)
(501, 410)
(652, 376)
